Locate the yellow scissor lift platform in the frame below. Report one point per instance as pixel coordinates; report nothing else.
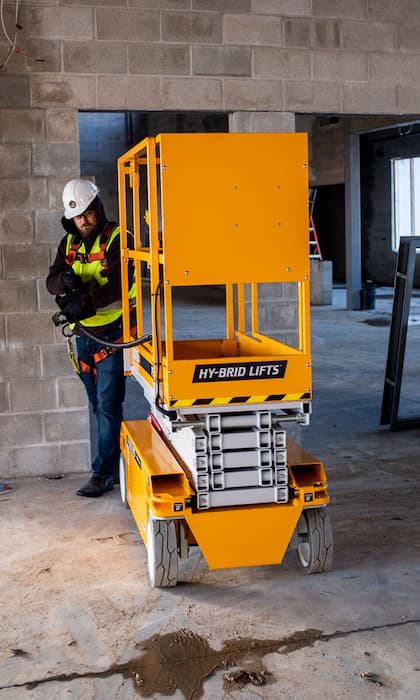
(213, 465)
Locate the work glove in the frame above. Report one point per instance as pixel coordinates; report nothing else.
(80, 306)
(72, 282)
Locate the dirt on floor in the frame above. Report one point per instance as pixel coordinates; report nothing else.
(78, 617)
(79, 620)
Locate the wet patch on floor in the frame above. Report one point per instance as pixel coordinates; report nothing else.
(183, 660)
(377, 321)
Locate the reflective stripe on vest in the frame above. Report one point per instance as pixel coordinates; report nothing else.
(92, 268)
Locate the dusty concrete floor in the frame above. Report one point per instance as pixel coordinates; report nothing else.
(77, 610)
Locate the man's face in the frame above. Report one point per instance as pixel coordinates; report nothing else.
(86, 222)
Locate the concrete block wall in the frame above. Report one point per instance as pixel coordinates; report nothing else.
(261, 61)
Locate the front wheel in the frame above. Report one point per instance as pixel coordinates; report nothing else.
(162, 553)
(314, 541)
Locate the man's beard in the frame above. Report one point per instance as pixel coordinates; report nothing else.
(87, 230)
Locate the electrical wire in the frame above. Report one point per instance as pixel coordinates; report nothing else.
(107, 343)
(158, 400)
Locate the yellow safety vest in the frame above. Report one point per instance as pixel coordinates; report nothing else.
(92, 269)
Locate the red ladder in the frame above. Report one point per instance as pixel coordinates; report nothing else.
(314, 248)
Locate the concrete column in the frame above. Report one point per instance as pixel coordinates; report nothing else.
(353, 223)
(251, 122)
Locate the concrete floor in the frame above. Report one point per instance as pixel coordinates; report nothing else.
(79, 620)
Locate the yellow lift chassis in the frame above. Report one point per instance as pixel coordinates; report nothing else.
(213, 465)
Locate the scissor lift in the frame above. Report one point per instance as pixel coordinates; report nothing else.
(213, 464)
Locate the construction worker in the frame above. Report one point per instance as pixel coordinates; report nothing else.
(86, 279)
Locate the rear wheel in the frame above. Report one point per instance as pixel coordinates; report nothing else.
(162, 552)
(314, 541)
(123, 482)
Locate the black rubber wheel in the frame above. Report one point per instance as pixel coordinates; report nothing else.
(123, 482)
(162, 553)
(315, 541)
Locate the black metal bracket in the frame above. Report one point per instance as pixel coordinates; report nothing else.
(403, 288)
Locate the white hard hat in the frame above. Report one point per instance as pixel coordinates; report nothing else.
(77, 195)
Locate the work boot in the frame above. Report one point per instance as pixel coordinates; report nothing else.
(96, 486)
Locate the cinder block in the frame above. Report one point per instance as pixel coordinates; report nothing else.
(24, 193)
(252, 30)
(408, 99)
(60, 23)
(63, 125)
(161, 59)
(27, 126)
(45, 300)
(370, 98)
(339, 8)
(4, 402)
(15, 160)
(221, 60)
(65, 426)
(42, 56)
(63, 91)
(16, 227)
(297, 32)
(281, 316)
(19, 362)
(321, 282)
(48, 228)
(158, 4)
(71, 393)
(128, 92)
(402, 10)
(16, 264)
(369, 36)
(275, 291)
(192, 27)
(127, 25)
(394, 68)
(55, 159)
(55, 361)
(282, 7)
(14, 91)
(340, 66)
(29, 329)
(408, 37)
(312, 97)
(261, 122)
(326, 34)
(84, 57)
(273, 62)
(253, 94)
(74, 457)
(105, 3)
(37, 460)
(32, 395)
(21, 429)
(191, 93)
(17, 295)
(5, 463)
(227, 6)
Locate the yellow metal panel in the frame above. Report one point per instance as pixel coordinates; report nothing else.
(155, 479)
(232, 207)
(244, 536)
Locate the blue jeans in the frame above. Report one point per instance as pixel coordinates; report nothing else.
(105, 389)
